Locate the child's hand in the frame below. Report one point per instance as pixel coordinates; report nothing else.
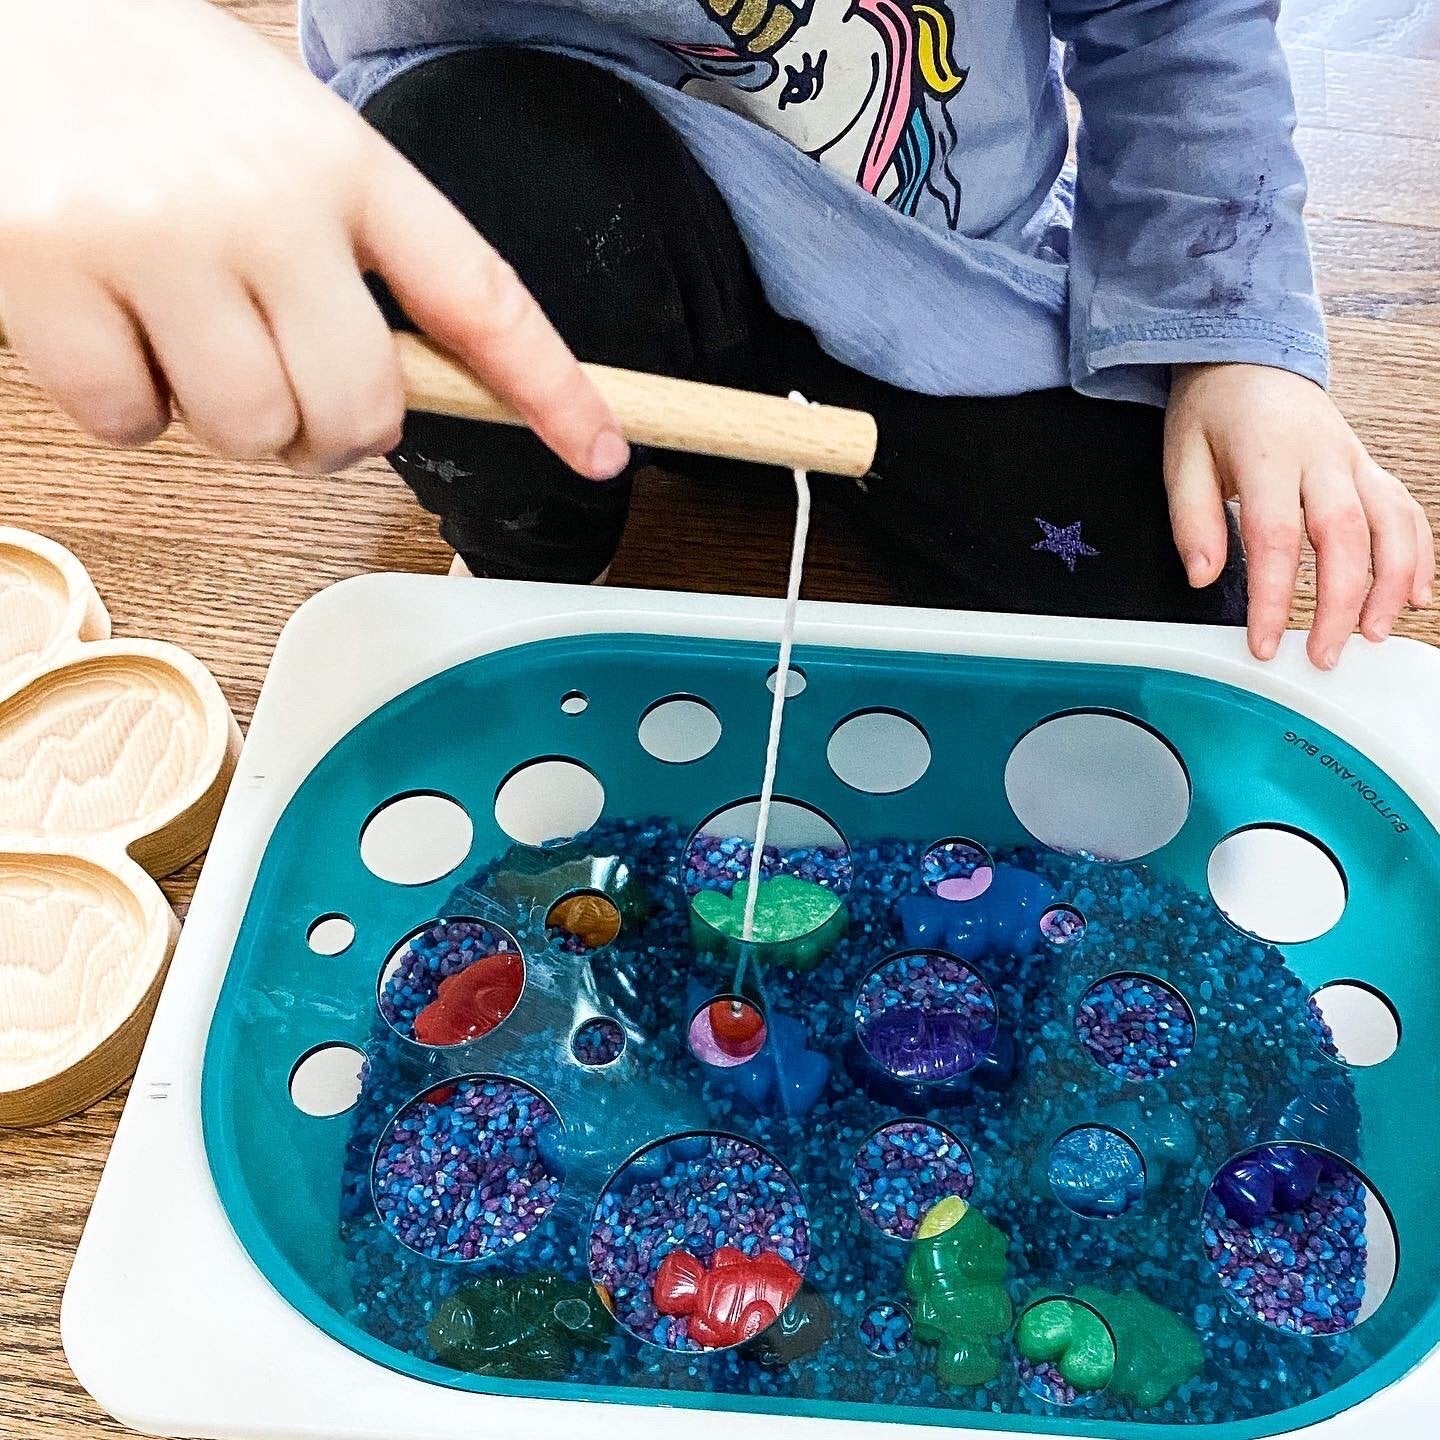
(185, 217)
(1277, 442)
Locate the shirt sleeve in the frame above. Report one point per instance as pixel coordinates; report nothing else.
(1188, 243)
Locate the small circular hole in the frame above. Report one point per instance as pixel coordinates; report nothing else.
(1097, 1172)
(1277, 884)
(1065, 1352)
(599, 1041)
(548, 801)
(879, 752)
(330, 934)
(885, 1329)
(1135, 1026)
(679, 730)
(1354, 1023)
(327, 1080)
(1062, 925)
(726, 1032)
(909, 1171)
(415, 839)
(795, 681)
(585, 920)
(575, 702)
(957, 869)
(452, 981)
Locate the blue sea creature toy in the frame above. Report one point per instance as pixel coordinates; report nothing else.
(1003, 920)
(1271, 1179)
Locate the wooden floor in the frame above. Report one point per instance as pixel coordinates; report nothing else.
(215, 557)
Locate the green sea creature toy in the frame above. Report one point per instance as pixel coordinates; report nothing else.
(955, 1278)
(797, 920)
(1070, 1336)
(1156, 1352)
(520, 1327)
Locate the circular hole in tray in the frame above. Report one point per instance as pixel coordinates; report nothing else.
(1354, 1023)
(1135, 1026)
(548, 801)
(326, 1080)
(679, 730)
(726, 1031)
(469, 1168)
(925, 1017)
(1064, 1350)
(908, 1175)
(957, 869)
(1099, 784)
(416, 838)
(1299, 1239)
(795, 681)
(878, 751)
(1062, 925)
(331, 934)
(886, 1329)
(584, 920)
(682, 1210)
(1276, 884)
(451, 981)
(597, 1042)
(1097, 1172)
(574, 702)
(801, 845)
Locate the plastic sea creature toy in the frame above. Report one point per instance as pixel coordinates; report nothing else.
(955, 1278)
(736, 1299)
(797, 920)
(1070, 1336)
(592, 919)
(1271, 1179)
(1002, 920)
(921, 1047)
(1096, 1172)
(521, 1327)
(1155, 1351)
(473, 1001)
(803, 1327)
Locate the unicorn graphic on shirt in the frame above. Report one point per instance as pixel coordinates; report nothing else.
(862, 86)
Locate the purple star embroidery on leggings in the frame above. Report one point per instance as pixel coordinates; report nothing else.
(1064, 541)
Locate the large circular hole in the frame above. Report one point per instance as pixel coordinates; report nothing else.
(1134, 1026)
(451, 981)
(699, 1242)
(679, 730)
(878, 751)
(1299, 1239)
(1097, 784)
(1354, 1023)
(327, 1080)
(1276, 884)
(805, 869)
(416, 839)
(1097, 1172)
(330, 934)
(957, 869)
(548, 801)
(469, 1168)
(908, 1171)
(1065, 1351)
(726, 1031)
(925, 1017)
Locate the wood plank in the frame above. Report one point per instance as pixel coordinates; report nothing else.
(1393, 178)
(1378, 272)
(1391, 27)
(1380, 94)
(1307, 79)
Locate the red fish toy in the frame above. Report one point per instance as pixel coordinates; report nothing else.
(732, 1301)
(473, 1001)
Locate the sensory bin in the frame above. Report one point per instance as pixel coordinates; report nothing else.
(981, 1128)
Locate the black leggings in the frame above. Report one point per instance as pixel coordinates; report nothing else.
(1047, 502)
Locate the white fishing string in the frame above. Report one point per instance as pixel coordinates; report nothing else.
(782, 688)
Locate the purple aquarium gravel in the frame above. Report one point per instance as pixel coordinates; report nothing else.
(696, 1193)
(1301, 1270)
(599, 1041)
(904, 1169)
(413, 972)
(1046, 1383)
(720, 862)
(885, 1329)
(957, 869)
(1062, 925)
(459, 1175)
(1135, 1027)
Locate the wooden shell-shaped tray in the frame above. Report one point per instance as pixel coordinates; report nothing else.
(114, 758)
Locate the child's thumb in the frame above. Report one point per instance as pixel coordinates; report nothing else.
(454, 286)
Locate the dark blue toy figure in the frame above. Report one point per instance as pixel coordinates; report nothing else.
(1272, 1179)
(1003, 920)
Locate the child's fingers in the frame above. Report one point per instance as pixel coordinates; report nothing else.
(1270, 527)
(1336, 523)
(1197, 506)
(459, 291)
(82, 346)
(339, 355)
(1389, 510)
(219, 360)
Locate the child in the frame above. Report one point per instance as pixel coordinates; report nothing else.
(863, 199)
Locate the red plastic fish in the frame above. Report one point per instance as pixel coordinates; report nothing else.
(732, 1301)
(473, 1001)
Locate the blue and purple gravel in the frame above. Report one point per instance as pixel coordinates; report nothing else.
(1134, 1026)
(904, 1169)
(412, 976)
(720, 862)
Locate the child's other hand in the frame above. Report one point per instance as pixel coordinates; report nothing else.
(1276, 441)
(185, 217)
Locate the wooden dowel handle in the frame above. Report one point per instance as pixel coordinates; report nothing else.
(668, 414)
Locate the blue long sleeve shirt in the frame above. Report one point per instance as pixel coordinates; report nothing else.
(898, 170)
